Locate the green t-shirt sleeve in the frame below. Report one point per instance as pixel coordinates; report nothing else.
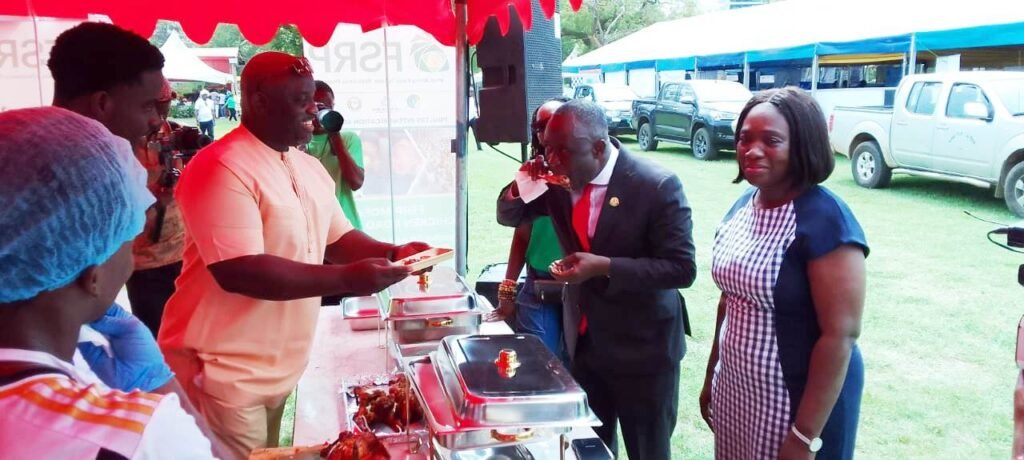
(354, 145)
(316, 146)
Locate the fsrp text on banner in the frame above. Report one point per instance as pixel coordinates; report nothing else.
(25, 80)
(395, 87)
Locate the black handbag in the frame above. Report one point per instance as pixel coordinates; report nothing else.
(548, 291)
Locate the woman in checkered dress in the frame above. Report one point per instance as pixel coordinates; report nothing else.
(785, 375)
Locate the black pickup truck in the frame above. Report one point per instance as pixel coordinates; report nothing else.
(615, 100)
(701, 113)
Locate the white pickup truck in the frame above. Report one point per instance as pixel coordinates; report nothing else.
(961, 126)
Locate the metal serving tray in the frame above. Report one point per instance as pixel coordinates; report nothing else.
(446, 294)
(535, 389)
(420, 336)
(411, 350)
(432, 329)
(515, 452)
(377, 382)
(453, 433)
(362, 313)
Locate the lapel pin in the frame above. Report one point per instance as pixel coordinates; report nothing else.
(614, 201)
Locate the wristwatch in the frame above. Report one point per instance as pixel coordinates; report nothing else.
(813, 445)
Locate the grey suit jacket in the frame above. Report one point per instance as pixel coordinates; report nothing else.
(636, 317)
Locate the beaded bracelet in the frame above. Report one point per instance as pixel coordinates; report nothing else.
(507, 290)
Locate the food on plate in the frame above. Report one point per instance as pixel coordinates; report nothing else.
(355, 446)
(408, 407)
(559, 267)
(413, 260)
(557, 179)
(393, 407)
(426, 259)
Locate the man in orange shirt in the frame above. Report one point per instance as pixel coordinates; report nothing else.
(260, 219)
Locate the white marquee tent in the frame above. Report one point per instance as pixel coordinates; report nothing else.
(180, 64)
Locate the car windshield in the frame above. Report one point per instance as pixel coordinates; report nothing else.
(722, 92)
(1011, 93)
(614, 93)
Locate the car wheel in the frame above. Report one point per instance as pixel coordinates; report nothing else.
(645, 138)
(1013, 189)
(868, 166)
(701, 145)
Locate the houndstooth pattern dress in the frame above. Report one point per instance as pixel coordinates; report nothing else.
(749, 400)
(759, 259)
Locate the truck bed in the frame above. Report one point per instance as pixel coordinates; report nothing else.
(847, 122)
(869, 108)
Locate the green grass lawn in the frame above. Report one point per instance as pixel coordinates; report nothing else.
(220, 128)
(940, 316)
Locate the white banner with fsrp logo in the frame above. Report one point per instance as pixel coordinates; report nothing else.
(395, 87)
(24, 49)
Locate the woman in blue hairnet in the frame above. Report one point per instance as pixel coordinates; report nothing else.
(73, 197)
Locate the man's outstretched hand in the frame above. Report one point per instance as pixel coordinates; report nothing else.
(579, 267)
(370, 276)
(409, 249)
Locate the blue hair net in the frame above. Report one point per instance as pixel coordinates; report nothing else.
(71, 194)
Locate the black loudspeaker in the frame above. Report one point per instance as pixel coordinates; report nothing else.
(520, 71)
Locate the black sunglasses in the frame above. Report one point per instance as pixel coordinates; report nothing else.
(538, 126)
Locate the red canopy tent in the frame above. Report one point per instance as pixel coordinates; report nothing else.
(259, 19)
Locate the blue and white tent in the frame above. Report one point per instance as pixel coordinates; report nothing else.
(798, 31)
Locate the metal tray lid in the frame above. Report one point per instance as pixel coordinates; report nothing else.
(446, 293)
(536, 370)
(508, 379)
(452, 431)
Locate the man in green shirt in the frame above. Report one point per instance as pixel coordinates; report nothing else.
(341, 153)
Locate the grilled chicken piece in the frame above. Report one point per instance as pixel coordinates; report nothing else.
(393, 408)
(355, 446)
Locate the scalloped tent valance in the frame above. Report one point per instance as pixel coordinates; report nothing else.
(259, 19)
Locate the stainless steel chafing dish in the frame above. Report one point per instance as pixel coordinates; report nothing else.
(438, 293)
(362, 313)
(508, 379)
(422, 310)
(487, 391)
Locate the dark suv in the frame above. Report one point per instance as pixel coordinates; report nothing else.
(701, 113)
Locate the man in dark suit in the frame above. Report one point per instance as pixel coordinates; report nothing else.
(626, 226)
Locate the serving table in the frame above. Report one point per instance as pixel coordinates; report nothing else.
(339, 353)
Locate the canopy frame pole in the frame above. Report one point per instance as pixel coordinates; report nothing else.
(912, 55)
(746, 71)
(815, 74)
(461, 146)
(657, 81)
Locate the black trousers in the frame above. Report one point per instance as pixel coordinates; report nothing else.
(645, 406)
(148, 291)
(206, 127)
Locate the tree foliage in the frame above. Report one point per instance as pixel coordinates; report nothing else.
(599, 22)
(287, 40)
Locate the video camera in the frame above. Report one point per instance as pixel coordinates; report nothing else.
(176, 149)
(330, 120)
